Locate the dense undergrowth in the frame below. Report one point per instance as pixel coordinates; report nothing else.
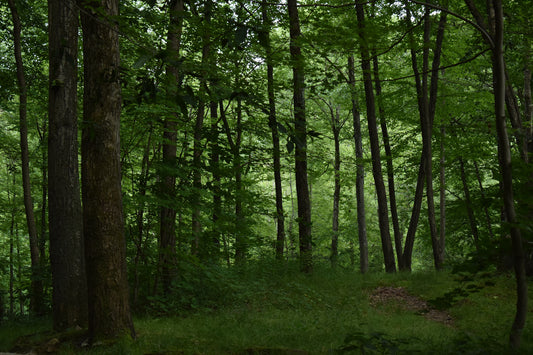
(273, 309)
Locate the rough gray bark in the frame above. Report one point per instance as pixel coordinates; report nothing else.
(67, 259)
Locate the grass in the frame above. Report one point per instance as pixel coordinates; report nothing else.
(269, 311)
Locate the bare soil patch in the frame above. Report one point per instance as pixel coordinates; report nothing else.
(404, 300)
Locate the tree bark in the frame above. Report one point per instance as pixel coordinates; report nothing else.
(36, 293)
(386, 243)
(504, 154)
(105, 247)
(167, 232)
(197, 136)
(273, 125)
(390, 166)
(360, 174)
(300, 138)
(67, 259)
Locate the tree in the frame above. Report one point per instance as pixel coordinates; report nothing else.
(273, 124)
(300, 140)
(103, 223)
(360, 171)
(167, 244)
(64, 212)
(37, 300)
(386, 243)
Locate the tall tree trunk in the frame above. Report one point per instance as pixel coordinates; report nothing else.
(300, 140)
(442, 189)
(105, 245)
(197, 136)
(241, 242)
(67, 258)
(386, 243)
(427, 133)
(167, 233)
(504, 154)
(36, 294)
(501, 98)
(273, 125)
(390, 166)
(360, 174)
(427, 99)
(217, 191)
(139, 216)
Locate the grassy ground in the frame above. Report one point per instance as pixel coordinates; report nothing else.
(264, 311)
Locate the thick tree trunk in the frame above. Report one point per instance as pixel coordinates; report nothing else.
(105, 247)
(386, 243)
(67, 258)
(273, 125)
(360, 174)
(36, 293)
(167, 232)
(300, 140)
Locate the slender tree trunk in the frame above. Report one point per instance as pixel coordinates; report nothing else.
(300, 140)
(197, 136)
(360, 174)
(468, 202)
(241, 243)
(442, 188)
(167, 233)
(139, 216)
(36, 294)
(67, 258)
(215, 171)
(386, 243)
(390, 166)
(105, 245)
(273, 125)
(336, 127)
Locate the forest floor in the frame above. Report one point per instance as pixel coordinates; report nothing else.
(267, 311)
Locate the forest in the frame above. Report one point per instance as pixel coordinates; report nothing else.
(288, 177)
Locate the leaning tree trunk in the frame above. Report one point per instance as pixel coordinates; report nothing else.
(300, 140)
(105, 244)
(386, 243)
(36, 294)
(67, 259)
(360, 174)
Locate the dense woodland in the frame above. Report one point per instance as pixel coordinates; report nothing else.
(144, 140)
